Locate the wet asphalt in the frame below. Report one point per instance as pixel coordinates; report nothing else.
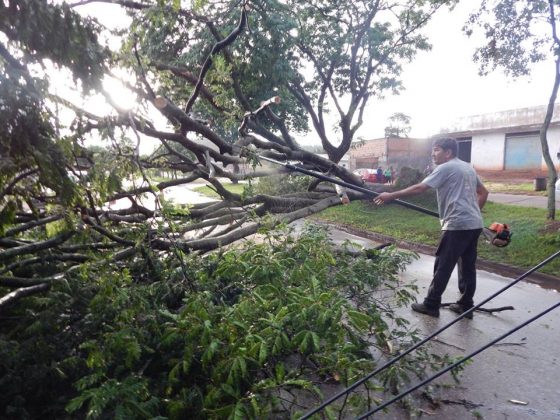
(519, 378)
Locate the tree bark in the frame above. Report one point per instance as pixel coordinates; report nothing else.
(14, 296)
(551, 169)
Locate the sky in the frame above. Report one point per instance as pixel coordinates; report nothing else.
(442, 85)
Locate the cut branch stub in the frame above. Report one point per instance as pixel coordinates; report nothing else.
(160, 102)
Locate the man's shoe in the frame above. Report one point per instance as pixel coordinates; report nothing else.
(426, 310)
(459, 309)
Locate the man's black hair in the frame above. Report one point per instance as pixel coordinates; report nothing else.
(447, 143)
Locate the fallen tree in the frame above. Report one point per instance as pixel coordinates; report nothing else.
(55, 191)
(229, 82)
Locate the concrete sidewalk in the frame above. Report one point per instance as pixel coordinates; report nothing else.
(522, 200)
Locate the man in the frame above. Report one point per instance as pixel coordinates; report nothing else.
(460, 196)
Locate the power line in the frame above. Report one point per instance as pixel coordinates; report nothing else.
(428, 338)
(454, 365)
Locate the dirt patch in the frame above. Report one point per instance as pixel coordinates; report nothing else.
(552, 226)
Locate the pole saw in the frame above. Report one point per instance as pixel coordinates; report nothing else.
(498, 234)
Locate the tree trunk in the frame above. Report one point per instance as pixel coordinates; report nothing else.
(552, 175)
(551, 169)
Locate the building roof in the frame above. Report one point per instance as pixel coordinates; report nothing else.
(514, 120)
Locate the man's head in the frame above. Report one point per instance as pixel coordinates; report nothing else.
(444, 150)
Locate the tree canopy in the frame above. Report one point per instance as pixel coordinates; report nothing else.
(231, 80)
(399, 125)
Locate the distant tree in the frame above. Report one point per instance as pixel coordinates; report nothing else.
(399, 125)
(513, 43)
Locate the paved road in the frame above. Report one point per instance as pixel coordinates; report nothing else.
(522, 200)
(525, 367)
(180, 194)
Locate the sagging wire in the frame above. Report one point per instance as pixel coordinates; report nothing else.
(425, 340)
(457, 363)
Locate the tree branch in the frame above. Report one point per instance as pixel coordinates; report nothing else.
(11, 184)
(37, 246)
(20, 293)
(216, 49)
(79, 258)
(16, 282)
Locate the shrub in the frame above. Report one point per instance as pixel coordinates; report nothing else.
(408, 176)
(242, 333)
(282, 184)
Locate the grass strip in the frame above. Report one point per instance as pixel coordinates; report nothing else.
(209, 192)
(534, 238)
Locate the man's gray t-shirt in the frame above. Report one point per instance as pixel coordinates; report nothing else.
(456, 182)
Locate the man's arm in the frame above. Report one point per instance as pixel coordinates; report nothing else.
(390, 196)
(482, 195)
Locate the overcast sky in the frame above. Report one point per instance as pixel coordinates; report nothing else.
(443, 84)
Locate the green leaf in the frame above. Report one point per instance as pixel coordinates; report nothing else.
(239, 412)
(359, 320)
(208, 355)
(76, 403)
(280, 372)
(56, 227)
(7, 216)
(263, 353)
(316, 342)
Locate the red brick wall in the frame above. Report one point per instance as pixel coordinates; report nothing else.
(393, 151)
(370, 148)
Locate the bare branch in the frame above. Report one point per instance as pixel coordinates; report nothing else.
(191, 78)
(30, 225)
(208, 244)
(18, 294)
(106, 233)
(216, 49)
(9, 188)
(16, 282)
(78, 258)
(37, 246)
(160, 186)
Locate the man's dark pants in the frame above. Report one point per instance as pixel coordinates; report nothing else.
(455, 246)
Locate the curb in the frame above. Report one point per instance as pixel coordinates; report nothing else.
(546, 281)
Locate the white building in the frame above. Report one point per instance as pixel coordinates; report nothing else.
(507, 140)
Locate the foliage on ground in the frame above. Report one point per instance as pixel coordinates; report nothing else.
(242, 333)
(408, 176)
(532, 240)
